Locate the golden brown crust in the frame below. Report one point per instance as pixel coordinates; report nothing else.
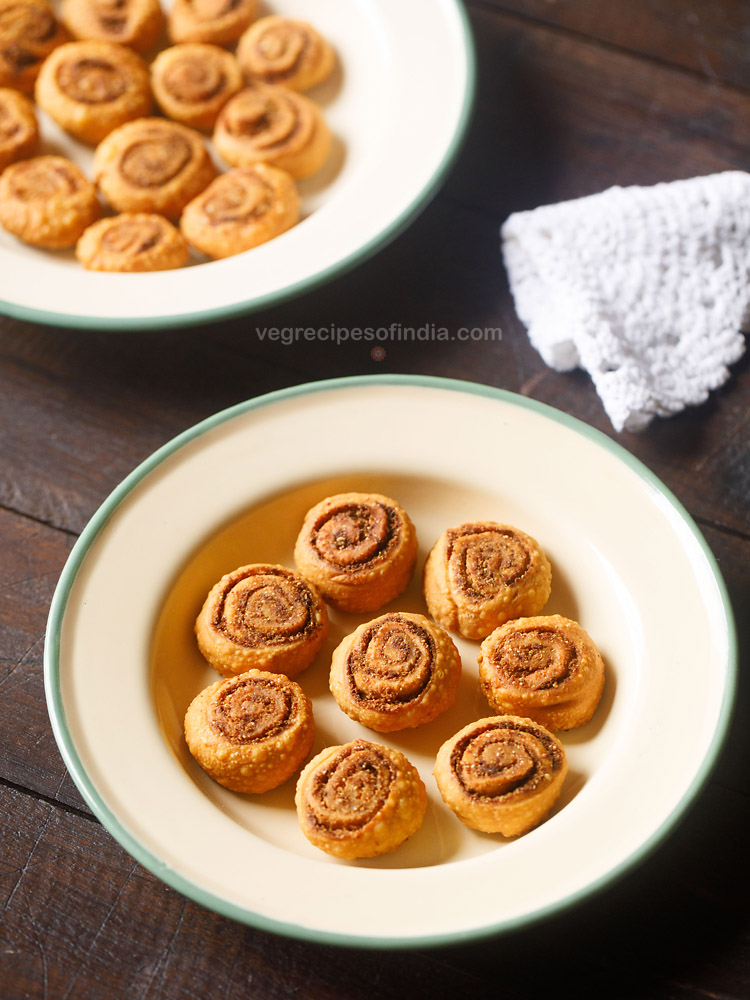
(19, 131)
(546, 667)
(359, 549)
(482, 574)
(250, 733)
(218, 21)
(285, 51)
(262, 616)
(501, 774)
(359, 800)
(135, 23)
(266, 123)
(89, 88)
(46, 201)
(240, 210)
(132, 243)
(397, 671)
(29, 31)
(192, 82)
(152, 165)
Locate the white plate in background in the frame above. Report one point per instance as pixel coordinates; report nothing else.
(398, 106)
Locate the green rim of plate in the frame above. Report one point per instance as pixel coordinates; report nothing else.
(188, 888)
(361, 254)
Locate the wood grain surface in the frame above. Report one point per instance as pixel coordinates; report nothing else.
(573, 97)
(711, 39)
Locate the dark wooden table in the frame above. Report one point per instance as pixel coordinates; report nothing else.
(573, 96)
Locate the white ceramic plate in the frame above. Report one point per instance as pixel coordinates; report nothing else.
(397, 106)
(122, 665)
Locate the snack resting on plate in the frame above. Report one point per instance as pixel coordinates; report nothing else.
(132, 242)
(152, 165)
(360, 800)
(29, 31)
(193, 81)
(46, 201)
(359, 549)
(546, 667)
(135, 23)
(481, 574)
(262, 616)
(398, 671)
(240, 210)
(252, 732)
(285, 51)
(19, 129)
(266, 123)
(89, 88)
(501, 774)
(220, 22)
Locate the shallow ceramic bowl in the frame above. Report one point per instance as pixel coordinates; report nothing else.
(628, 563)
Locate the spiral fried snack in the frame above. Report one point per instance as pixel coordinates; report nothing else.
(46, 201)
(271, 124)
(218, 21)
(89, 88)
(359, 549)
(241, 209)
(546, 668)
(280, 50)
(192, 82)
(19, 131)
(132, 242)
(501, 774)
(152, 165)
(398, 671)
(29, 31)
(360, 800)
(262, 616)
(479, 575)
(135, 23)
(252, 732)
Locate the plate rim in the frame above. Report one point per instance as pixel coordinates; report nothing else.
(183, 884)
(381, 239)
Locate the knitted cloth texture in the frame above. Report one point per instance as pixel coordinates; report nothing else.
(647, 288)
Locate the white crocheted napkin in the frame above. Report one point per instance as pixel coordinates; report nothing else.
(647, 288)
